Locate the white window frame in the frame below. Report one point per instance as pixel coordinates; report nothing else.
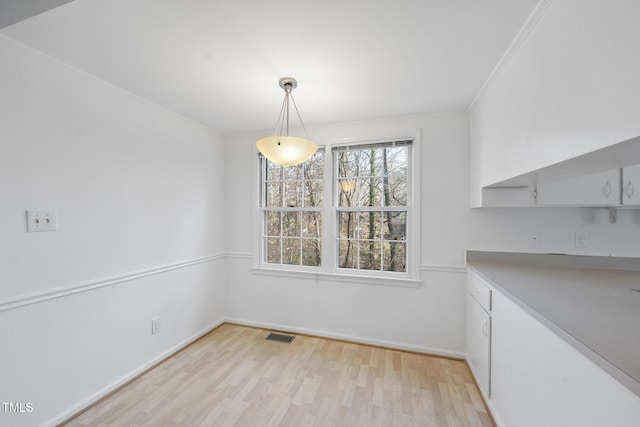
(329, 270)
(261, 209)
(408, 209)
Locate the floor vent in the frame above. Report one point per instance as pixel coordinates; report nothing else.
(280, 338)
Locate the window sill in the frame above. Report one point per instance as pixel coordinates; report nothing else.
(337, 277)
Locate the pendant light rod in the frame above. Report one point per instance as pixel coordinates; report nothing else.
(281, 118)
(288, 84)
(293, 101)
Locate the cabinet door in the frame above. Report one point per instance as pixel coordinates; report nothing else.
(631, 185)
(479, 343)
(599, 189)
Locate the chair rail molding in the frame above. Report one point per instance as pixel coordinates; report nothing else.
(447, 268)
(63, 291)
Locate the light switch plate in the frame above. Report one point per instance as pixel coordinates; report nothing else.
(41, 221)
(156, 325)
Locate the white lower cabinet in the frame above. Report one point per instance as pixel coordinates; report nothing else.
(535, 378)
(479, 344)
(479, 332)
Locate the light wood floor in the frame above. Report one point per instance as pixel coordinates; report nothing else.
(233, 377)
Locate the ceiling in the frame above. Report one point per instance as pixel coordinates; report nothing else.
(218, 62)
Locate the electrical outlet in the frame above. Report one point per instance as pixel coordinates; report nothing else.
(41, 221)
(155, 325)
(582, 239)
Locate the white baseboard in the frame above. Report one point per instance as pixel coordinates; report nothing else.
(352, 338)
(494, 413)
(80, 406)
(490, 406)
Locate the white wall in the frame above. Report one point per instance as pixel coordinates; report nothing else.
(145, 221)
(431, 317)
(138, 194)
(568, 87)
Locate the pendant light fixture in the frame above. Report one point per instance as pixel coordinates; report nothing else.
(281, 148)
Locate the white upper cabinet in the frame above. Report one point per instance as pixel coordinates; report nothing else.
(631, 185)
(568, 86)
(599, 189)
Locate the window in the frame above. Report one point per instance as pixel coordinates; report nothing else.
(292, 199)
(350, 214)
(372, 197)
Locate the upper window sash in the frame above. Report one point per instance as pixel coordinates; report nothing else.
(372, 174)
(298, 186)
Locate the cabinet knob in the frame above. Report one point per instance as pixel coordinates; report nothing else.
(606, 189)
(628, 189)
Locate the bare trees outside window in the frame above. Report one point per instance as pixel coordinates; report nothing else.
(361, 195)
(372, 190)
(292, 198)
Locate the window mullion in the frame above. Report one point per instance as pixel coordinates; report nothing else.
(329, 252)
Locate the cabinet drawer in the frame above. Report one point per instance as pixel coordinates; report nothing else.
(479, 291)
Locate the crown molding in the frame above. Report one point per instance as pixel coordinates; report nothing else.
(533, 19)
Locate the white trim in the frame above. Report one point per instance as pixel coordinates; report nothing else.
(357, 142)
(334, 277)
(411, 277)
(371, 280)
(240, 255)
(487, 400)
(518, 41)
(70, 412)
(367, 138)
(281, 271)
(352, 338)
(256, 217)
(414, 249)
(447, 268)
(49, 294)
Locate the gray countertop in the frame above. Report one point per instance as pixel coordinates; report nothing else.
(590, 302)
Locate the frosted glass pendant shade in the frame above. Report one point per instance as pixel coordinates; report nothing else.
(281, 148)
(287, 150)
